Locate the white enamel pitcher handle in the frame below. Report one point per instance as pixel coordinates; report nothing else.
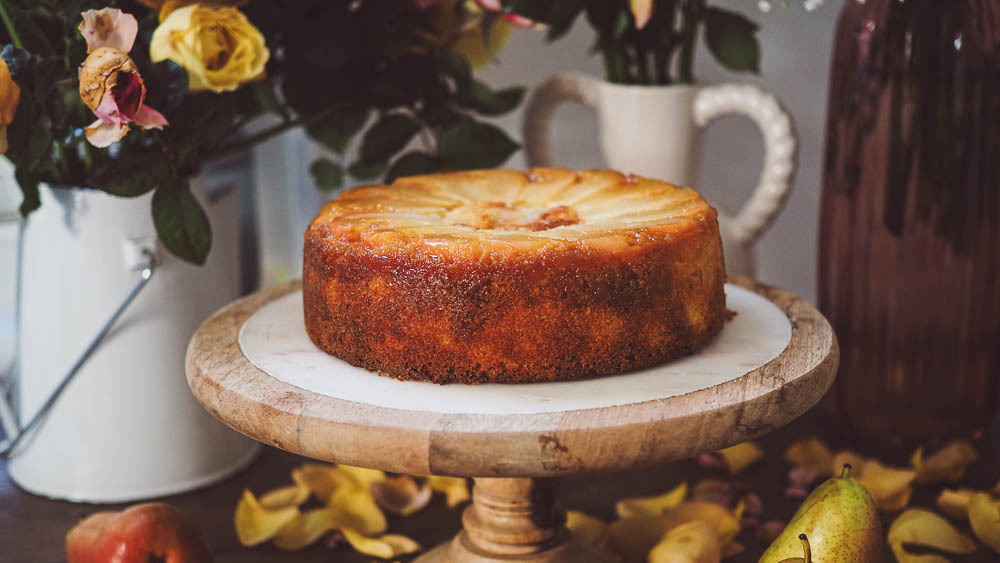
(559, 88)
(780, 148)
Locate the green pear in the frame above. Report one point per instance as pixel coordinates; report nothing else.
(842, 524)
(806, 552)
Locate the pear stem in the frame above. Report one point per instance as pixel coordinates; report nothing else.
(846, 472)
(807, 553)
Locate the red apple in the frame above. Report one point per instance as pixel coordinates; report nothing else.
(136, 535)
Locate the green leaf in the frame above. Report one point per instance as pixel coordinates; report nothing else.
(32, 37)
(485, 101)
(732, 40)
(132, 176)
(558, 15)
(336, 131)
(412, 164)
(180, 221)
(456, 66)
(329, 175)
(474, 145)
(31, 198)
(366, 170)
(389, 135)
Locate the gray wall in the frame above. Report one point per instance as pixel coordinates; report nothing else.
(796, 53)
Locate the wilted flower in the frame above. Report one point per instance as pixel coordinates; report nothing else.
(10, 95)
(108, 27)
(217, 45)
(460, 31)
(111, 87)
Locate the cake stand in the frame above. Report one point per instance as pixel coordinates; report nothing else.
(253, 368)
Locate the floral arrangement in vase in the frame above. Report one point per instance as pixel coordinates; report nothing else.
(653, 41)
(130, 97)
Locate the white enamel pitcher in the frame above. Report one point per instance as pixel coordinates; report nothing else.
(655, 131)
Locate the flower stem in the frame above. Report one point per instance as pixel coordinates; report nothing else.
(691, 17)
(7, 23)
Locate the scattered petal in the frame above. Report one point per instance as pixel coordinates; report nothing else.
(710, 461)
(400, 495)
(359, 510)
(846, 457)
(804, 476)
(307, 528)
(796, 492)
(888, 486)
(109, 27)
(323, 479)
(984, 517)
(256, 524)
(651, 506)
(692, 542)
(384, 547)
(947, 464)
(588, 530)
(811, 453)
(925, 528)
(291, 495)
(634, 537)
(362, 476)
(739, 457)
(456, 489)
(955, 503)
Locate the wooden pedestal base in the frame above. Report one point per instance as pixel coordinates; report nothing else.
(513, 520)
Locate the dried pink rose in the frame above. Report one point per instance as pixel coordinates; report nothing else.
(111, 87)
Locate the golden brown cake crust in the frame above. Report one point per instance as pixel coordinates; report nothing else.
(473, 306)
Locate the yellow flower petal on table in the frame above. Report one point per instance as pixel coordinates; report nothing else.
(362, 476)
(359, 510)
(588, 530)
(812, 453)
(256, 524)
(889, 487)
(984, 517)
(739, 457)
(847, 457)
(634, 537)
(651, 506)
(307, 528)
(955, 503)
(455, 489)
(384, 547)
(323, 479)
(693, 542)
(925, 528)
(291, 495)
(400, 495)
(947, 464)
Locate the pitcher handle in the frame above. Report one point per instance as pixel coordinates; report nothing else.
(558, 88)
(780, 148)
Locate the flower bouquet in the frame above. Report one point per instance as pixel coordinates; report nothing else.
(132, 97)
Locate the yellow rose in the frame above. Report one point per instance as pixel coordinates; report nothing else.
(10, 95)
(460, 31)
(217, 45)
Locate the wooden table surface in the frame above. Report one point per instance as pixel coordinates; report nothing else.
(32, 528)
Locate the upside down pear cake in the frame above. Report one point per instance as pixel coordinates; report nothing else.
(506, 276)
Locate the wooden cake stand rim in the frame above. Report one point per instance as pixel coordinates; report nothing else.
(523, 445)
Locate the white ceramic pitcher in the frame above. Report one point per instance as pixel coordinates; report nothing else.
(127, 427)
(655, 131)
